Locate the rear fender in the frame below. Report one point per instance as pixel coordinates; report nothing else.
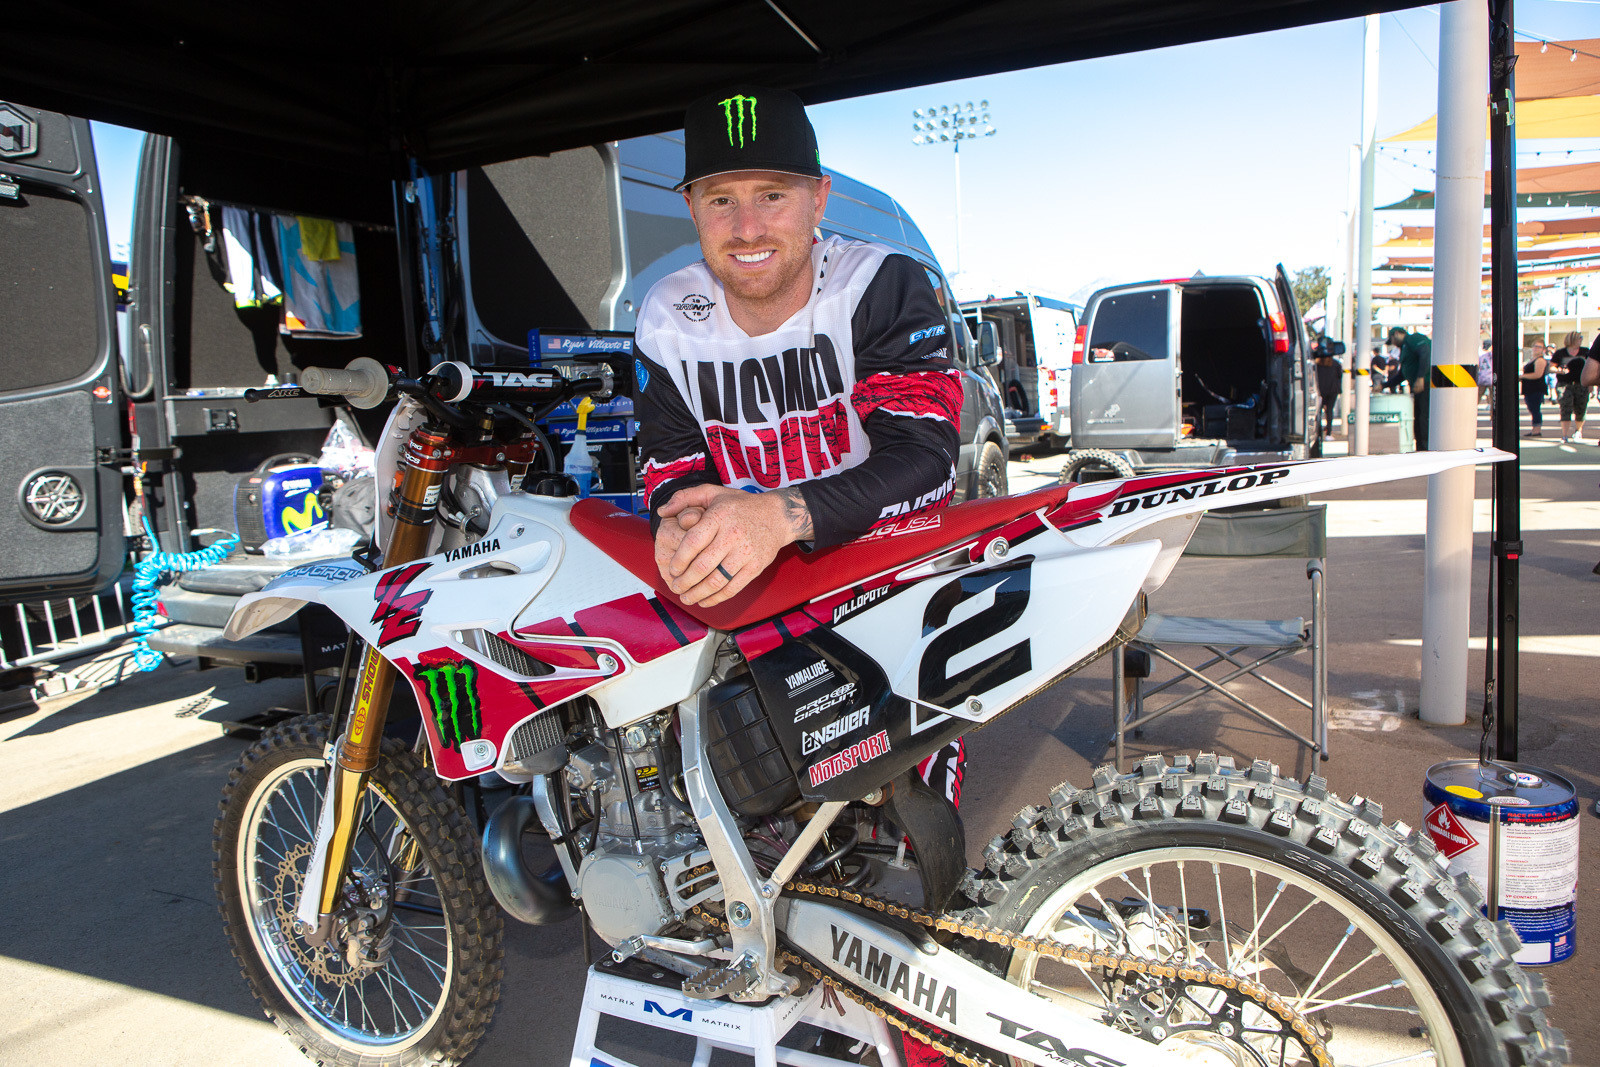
(1166, 507)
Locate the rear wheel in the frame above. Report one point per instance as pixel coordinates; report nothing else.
(412, 972)
(1354, 924)
(1094, 464)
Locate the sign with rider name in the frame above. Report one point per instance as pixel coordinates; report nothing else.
(556, 345)
(599, 430)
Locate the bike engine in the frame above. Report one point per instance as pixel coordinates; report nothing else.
(638, 824)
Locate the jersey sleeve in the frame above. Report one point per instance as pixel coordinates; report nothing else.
(908, 398)
(672, 445)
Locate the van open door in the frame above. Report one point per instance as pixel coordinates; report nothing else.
(1302, 426)
(61, 512)
(1126, 392)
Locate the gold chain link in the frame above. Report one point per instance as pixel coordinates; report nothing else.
(1116, 962)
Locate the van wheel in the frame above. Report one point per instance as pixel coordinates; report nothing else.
(1093, 465)
(991, 471)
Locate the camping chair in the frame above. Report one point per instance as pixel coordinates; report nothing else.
(1236, 647)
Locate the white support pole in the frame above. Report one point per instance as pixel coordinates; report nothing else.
(958, 207)
(1363, 331)
(1457, 311)
(1352, 340)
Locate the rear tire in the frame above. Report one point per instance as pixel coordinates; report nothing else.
(431, 989)
(1094, 464)
(992, 480)
(1382, 952)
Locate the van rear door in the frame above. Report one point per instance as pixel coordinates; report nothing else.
(60, 398)
(1302, 379)
(1125, 393)
(1054, 323)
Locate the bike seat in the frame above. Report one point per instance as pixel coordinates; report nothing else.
(796, 577)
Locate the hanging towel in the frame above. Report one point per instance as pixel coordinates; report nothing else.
(247, 247)
(321, 294)
(319, 238)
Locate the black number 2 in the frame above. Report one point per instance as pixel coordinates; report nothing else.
(1012, 585)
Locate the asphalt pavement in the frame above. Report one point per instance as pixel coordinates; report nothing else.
(112, 951)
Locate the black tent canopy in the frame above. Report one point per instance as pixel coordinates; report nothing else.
(362, 85)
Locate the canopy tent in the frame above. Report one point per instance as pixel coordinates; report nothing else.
(362, 85)
(1572, 116)
(1546, 228)
(1548, 69)
(1525, 256)
(1568, 185)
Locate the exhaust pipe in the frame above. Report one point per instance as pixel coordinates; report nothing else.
(537, 899)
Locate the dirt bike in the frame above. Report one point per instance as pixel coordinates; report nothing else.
(732, 798)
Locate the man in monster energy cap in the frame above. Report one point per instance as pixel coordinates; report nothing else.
(792, 389)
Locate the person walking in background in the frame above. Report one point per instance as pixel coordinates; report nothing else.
(1568, 362)
(1416, 359)
(1485, 371)
(1533, 387)
(1330, 376)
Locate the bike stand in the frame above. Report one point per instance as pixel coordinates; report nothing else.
(643, 993)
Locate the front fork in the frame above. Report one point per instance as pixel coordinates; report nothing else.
(427, 459)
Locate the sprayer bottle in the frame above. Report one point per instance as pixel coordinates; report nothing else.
(580, 459)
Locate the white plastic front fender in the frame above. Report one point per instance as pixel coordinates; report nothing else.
(286, 594)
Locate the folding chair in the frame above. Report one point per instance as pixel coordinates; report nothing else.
(1237, 648)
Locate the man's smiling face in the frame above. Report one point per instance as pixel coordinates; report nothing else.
(755, 232)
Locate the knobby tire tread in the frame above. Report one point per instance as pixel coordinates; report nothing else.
(448, 840)
(1496, 1005)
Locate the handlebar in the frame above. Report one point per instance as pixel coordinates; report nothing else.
(364, 382)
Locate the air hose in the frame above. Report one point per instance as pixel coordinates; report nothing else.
(148, 574)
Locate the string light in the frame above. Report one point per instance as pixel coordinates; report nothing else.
(1574, 58)
(1544, 47)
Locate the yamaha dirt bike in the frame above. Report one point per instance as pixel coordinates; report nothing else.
(731, 797)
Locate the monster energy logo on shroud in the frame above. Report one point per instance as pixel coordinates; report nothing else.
(733, 110)
(453, 698)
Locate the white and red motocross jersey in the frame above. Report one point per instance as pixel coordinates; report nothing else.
(853, 399)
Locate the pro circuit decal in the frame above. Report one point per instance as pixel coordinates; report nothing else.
(1199, 490)
(851, 758)
(828, 700)
(879, 968)
(333, 572)
(400, 612)
(452, 689)
(815, 740)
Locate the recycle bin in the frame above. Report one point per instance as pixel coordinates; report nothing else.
(1390, 424)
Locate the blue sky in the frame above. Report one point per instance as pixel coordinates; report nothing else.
(1226, 156)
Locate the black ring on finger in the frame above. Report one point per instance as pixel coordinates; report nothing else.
(724, 572)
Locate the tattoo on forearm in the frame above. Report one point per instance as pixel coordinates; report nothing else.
(795, 510)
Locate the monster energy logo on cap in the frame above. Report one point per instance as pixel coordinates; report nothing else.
(453, 700)
(733, 110)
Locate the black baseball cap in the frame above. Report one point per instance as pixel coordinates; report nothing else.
(749, 128)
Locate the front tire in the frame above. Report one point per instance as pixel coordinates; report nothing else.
(420, 985)
(1354, 923)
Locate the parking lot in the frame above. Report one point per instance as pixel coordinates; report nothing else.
(111, 949)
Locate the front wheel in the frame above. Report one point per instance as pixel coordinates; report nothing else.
(1354, 924)
(412, 972)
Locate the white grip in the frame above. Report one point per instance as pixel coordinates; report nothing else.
(364, 382)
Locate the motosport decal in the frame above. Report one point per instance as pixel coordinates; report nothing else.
(400, 612)
(851, 758)
(452, 689)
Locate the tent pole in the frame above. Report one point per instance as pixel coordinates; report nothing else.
(1507, 546)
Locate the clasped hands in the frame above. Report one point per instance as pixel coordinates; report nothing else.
(713, 540)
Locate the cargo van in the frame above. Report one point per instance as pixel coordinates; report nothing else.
(461, 266)
(1192, 372)
(1033, 338)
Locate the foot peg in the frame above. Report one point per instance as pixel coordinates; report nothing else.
(731, 979)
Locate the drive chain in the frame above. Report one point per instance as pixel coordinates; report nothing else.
(1121, 964)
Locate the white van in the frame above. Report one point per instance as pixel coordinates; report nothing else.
(1033, 336)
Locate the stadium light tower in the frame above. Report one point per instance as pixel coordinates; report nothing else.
(951, 124)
